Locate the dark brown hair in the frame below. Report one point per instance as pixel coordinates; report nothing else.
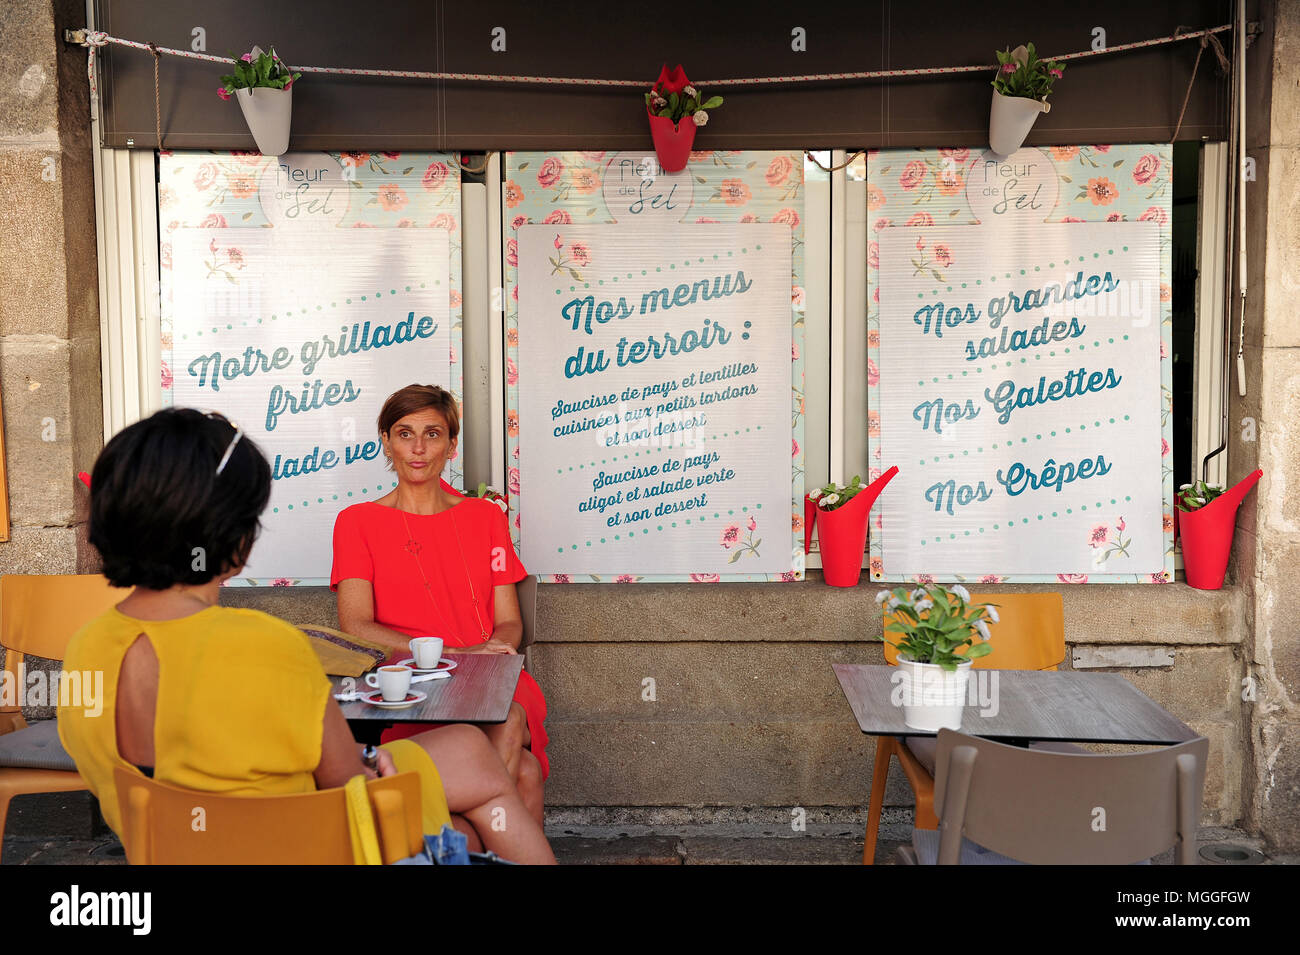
(415, 398)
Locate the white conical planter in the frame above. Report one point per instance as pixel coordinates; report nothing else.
(932, 697)
(1010, 120)
(268, 113)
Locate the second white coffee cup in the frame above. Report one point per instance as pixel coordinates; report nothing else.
(393, 682)
(427, 651)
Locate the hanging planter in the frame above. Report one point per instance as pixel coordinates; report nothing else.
(1209, 515)
(676, 110)
(842, 518)
(1020, 92)
(263, 86)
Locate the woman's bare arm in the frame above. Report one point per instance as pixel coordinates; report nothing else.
(340, 755)
(357, 615)
(509, 623)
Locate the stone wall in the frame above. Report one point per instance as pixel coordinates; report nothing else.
(49, 293)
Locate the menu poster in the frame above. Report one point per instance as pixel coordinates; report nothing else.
(1020, 398)
(299, 293)
(654, 422)
(1019, 330)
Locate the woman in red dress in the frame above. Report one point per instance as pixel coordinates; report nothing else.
(425, 561)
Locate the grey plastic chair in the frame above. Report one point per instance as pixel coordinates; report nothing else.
(1000, 804)
(526, 591)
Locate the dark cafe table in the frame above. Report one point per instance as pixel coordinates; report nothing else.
(479, 691)
(1032, 705)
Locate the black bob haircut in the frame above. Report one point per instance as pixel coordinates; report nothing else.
(161, 515)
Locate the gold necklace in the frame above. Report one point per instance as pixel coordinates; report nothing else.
(413, 547)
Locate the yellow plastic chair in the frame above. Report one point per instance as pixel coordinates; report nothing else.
(168, 825)
(1030, 635)
(38, 616)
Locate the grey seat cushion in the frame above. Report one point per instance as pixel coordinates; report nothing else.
(925, 842)
(36, 747)
(925, 747)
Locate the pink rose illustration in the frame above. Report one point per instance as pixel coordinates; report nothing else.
(1146, 169)
(794, 452)
(512, 480)
(788, 576)
(778, 170)
(580, 253)
(206, 176)
(1154, 214)
(925, 579)
(749, 217)
(913, 175)
(166, 377)
(787, 216)
(558, 217)
(512, 372)
(1099, 535)
(405, 223)
(959, 156)
(1072, 578)
(873, 373)
(512, 251)
(1164, 452)
(990, 579)
(551, 172)
(443, 221)
(794, 352)
(881, 224)
(435, 176)
(706, 578)
(559, 578)
(730, 536)
(282, 582)
(796, 294)
(624, 579)
(873, 255)
(392, 197)
(518, 221)
(213, 220)
(942, 254)
(921, 218)
(453, 297)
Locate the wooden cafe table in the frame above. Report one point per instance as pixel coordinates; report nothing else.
(478, 691)
(1032, 705)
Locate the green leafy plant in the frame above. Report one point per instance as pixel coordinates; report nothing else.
(487, 494)
(1022, 73)
(935, 622)
(834, 496)
(257, 69)
(686, 102)
(1193, 497)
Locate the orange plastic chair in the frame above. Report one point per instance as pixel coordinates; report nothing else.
(168, 825)
(1030, 635)
(38, 616)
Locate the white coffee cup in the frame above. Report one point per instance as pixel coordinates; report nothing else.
(393, 682)
(427, 651)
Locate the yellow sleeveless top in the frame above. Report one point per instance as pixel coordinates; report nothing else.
(241, 703)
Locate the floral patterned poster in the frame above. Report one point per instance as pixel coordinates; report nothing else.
(1018, 364)
(298, 292)
(606, 225)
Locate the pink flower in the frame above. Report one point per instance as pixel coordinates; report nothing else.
(794, 451)
(206, 176)
(512, 251)
(730, 536)
(753, 524)
(959, 156)
(1119, 524)
(1115, 217)
(881, 224)
(592, 156)
(990, 579)
(405, 223)
(1101, 149)
(581, 254)
(705, 578)
(787, 216)
(551, 172)
(512, 480)
(873, 373)
(794, 351)
(512, 372)
(778, 170)
(1154, 214)
(235, 257)
(558, 243)
(925, 579)
(788, 576)
(282, 582)
(288, 83)
(1008, 67)
(624, 579)
(559, 578)
(443, 221)
(873, 255)
(749, 217)
(1160, 578)
(454, 299)
(920, 244)
(1056, 73)
(514, 293)
(796, 295)
(213, 220)
(392, 197)
(222, 92)
(558, 217)
(388, 155)
(913, 175)
(1099, 535)
(1146, 169)
(1072, 578)
(1071, 219)
(921, 218)
(518, 221)
(247, 57)
(435, 176)
(166, 377)
(942, 254)
(1164, 451)
(703, 220)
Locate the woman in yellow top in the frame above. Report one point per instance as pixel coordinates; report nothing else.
(224, 700)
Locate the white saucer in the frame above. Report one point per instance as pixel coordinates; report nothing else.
(412, 697)
(443, 665)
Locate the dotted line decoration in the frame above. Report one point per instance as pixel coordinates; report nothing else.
(1011, 524)
(648, 452)
(993, 279)
(1038, 356)
(333, 497)
(631, 535)
(304, 311)
(1023, 440)
(658, 268)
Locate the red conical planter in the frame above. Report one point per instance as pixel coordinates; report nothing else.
(809, 519)
(843, 534)
(672, 142)
(1207, 535)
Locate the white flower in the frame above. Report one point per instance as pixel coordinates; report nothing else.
(690, 91)
(918, 593)
(1184, 487)
(961, 592)
(923, 605)
(894, 603)
(982, 629)
(815, 494)
(883, 596)
(992, 612)
(831, 499)
(502, 503)
(700, 117)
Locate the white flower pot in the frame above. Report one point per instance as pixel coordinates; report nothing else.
(932, 697)
(1010, 120)
(268, 113)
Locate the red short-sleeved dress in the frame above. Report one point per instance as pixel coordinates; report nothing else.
(371, 543)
